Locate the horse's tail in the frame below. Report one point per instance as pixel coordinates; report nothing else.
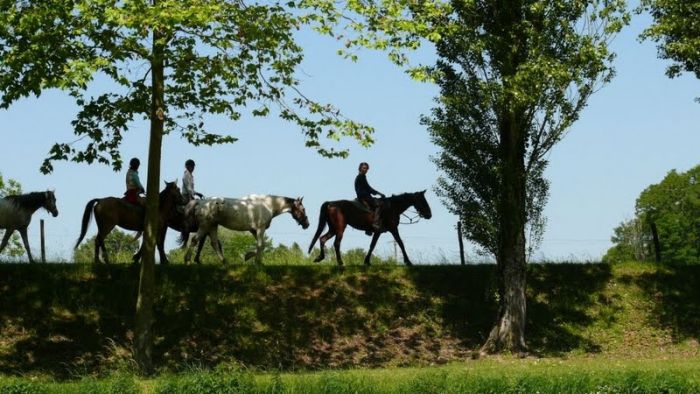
(322, 221)
(87, 215)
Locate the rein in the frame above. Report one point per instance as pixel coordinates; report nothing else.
(411, 220)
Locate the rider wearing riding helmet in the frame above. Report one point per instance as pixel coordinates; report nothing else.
(133, 184)
(364, 193)
(188, 182)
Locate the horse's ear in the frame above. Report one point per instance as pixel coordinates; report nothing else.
(301, 198)
(424, 190)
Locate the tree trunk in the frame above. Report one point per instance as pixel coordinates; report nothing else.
(144, 304)
(657, 244)
(508, 332)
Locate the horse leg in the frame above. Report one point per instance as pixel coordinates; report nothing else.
(97, 248)
(260, 237)
(137, 256)
(102, 238)
(216, 245)
(375, 237)
(397, 237)
(23, 233)
(5, 239)
(200, 246)
(336, 245)
(161, 248)
(322, 245)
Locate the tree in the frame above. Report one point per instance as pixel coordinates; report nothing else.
(173, 63)
(673, 207)
(677, 33)
(513, 76)
(631, 242)
(120, 244)
(9, 188)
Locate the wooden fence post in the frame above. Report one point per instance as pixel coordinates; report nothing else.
(657, 244)
(461, 243)
(43, 243)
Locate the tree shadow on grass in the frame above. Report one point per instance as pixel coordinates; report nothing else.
(61, 320)
(558, 297)
(674, 293)
(66, 320)
(560, 302)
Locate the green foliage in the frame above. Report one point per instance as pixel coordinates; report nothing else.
(208, 382)
(121, 247)
(631, 242)
(532, 68)
(222, 58)
(503, 376)
(677, 33)
(674, 206)
(11, 187)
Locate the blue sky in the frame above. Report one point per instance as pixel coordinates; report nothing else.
(632, 133)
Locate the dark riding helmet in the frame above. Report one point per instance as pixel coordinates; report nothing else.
(189, 162)
(134, 162)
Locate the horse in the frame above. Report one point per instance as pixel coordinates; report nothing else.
(176, 220)
(16, 213)
(251, 213)
(113, 211)
(338, 214)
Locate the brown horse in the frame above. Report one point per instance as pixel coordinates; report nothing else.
(176, 220)
(112, 211)
(339, 214)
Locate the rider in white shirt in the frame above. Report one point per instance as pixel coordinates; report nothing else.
(188, 182)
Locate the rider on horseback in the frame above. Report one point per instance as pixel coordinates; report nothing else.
(133, 184)
(188, 182)
(364, 193)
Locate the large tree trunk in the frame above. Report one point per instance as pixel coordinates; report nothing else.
(508, 332)
(144, 304)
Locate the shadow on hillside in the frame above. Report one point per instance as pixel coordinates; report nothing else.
(68, 321)
(675, 295)
(62, 321)
(560, 297)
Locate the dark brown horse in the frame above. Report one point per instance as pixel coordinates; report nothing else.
(112, 211)
(339, 214)
(176, 220)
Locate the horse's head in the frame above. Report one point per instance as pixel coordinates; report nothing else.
(421, 204)
(50, 203)
(172, 193)
(299, 213)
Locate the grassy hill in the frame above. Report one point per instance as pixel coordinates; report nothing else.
(76, 320)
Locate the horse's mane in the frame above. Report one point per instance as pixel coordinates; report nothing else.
(31, 200)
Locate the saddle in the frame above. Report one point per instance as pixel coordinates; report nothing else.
(361, 206)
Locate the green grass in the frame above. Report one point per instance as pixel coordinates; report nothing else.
(496, 375)
(74, 321)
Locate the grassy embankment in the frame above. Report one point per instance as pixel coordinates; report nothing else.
(70, 321)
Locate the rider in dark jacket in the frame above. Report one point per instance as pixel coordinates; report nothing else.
(364, 193)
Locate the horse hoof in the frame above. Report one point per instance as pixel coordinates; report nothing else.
(318, 259)
(249, 256)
